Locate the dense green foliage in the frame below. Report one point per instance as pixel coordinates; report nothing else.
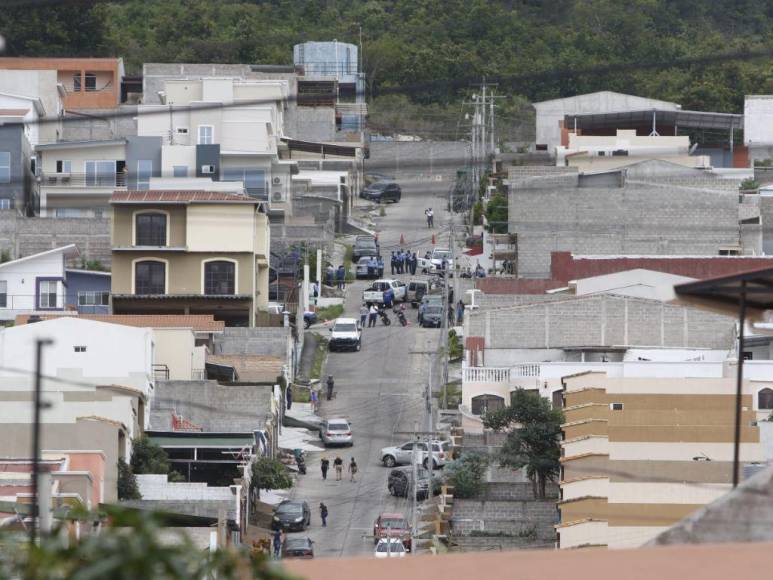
(129, 548)
(433, 49)
(466, 474)
(533, 436)
(148, 457)
(127, 483)
(268, 473)
(496, 214)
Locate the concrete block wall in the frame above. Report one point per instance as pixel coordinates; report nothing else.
(510, 517)
(157, 487)
(511, 491)
(271, 341)
(636, 219)
(24, 236)
(488, 543)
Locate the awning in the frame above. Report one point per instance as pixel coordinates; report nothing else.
(336, 150)
(624, 119)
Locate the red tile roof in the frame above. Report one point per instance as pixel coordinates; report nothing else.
(13, 112)
(178, 196)
(198, 322)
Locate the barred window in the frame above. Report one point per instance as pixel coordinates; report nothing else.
(220, 277)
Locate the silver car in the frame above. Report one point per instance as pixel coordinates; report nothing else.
(401, 455)
(336, 432)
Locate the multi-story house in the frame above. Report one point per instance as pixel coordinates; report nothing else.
(225, 129)
(190, 252)
(640, 453)
(42, 284)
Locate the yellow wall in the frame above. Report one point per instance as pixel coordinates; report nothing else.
(221, 228)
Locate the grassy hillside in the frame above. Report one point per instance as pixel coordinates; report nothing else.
(419, 46)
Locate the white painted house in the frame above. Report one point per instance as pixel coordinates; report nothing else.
(34, 284)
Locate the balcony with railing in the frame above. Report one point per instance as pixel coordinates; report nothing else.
(83, 180)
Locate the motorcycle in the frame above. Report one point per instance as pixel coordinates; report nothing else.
(401, 316)
(384, 317)
(300, 461)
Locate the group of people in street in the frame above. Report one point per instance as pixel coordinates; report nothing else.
(404, 262)
(338, 465)
(368, 315)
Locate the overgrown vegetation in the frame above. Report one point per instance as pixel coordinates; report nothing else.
(467, 473)
(454, 394)
(749, 184)
(330, 312)
(127, 483)
(92, 265)
(320, 355)
(269, 473)
(496, 214)
(455, 347)
(5, 256)
(533, 435)
(129, 547)
(148, 457)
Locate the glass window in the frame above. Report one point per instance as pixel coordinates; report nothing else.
(76, 82)
(64, 166)
(150, 229)
(93, 298)
(90, 80)
(254, 179)
(149, 278)
(206, 134)
(67, 212)
(144, 172)
(219, 277)
(3, 294)
(5, 203)
(765, 399)
(5, 167)
(483, 404)
(180, 170)
(47, 294)
(100, 173)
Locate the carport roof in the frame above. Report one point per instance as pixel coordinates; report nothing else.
(623, 119)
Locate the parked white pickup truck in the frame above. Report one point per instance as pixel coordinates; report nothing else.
(437, 257)
(375, 294)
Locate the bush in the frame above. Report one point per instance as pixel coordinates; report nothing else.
(127, 483)
(455, 349)
(466, 474)
(749, 184)
(147, 457)
(268, 473)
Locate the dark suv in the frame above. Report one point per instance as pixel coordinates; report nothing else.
(382, 192)
(400, 482)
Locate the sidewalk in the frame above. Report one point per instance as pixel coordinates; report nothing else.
(298, 437)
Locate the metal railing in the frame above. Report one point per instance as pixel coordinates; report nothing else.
(82, 180)
(160, 372)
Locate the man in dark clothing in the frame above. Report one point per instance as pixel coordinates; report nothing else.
(393, 263)
(289, 398)
(380, 264)
(277, 542)
(323, 514)
(338, 464)
(330, 385)
(414, 261)
(340, 276)
(324, 465)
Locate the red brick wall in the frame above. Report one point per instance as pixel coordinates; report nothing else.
(475, 345)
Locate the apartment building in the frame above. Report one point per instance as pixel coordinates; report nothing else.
(189, 252)
(641, 453)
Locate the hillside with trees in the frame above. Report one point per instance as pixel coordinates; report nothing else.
(431, 50)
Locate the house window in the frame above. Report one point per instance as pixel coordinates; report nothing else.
(558, 399)
(68, 212)
(149, 278)
(182, 130)
(47, 294)
(206, 134)
(220, 277)
(100, 173)
(180, 170)
(76, 82)
(3, 294)
(93, 298)
(64, 166)
(5, 167)
(254, 179)
(5, 203)
(90, 80)
(144, 172)
(150, 229)
(483, 404)
(616, 406)
(79, 348)
(765, 399)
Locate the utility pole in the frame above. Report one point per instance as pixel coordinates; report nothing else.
(415, 526)
(39, 344)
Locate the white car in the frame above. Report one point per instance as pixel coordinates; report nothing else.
(375, 294)
(425, 266)
(437, 257)
(389, 548)
(401, 455)
(336, 432)
(345, 334)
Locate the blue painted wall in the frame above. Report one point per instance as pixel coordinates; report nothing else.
(84, 281)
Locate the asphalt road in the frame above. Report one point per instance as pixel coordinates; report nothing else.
(380, 390)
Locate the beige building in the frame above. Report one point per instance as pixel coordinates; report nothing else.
(639, 454)
(189, 252)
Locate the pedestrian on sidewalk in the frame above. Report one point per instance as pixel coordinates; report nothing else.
(353, 469)
(459, 312)
(363, 315)
(380, 265)
(341, 276)
(314, 400)
(330, 385)
(329, 275)
(372, 313)
(324, 464)
(338, 463)
(277, 543)
(323, 514)
(289, 393)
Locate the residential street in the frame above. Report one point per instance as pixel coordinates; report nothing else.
(381, 390)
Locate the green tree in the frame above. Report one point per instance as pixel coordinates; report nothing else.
(127, 483)
(93, 265)
(129, 547)
(466, 474)
(497, 214)
(268, 473)
(533, 436)
(148, 457)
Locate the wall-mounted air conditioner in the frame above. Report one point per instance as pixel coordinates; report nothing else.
(276, 181)
(278, 196)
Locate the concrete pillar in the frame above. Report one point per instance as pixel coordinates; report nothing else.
(305, 288)
(319, 269)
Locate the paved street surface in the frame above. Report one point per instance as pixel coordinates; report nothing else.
(380, 389)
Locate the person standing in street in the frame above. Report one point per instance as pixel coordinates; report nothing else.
(323, 513)
(353, 469)
(414, 261)
(289, 394)
(338, 464)
(330, 386)
(393, 263)
(380, 266)
(426, 214)
(277, 543)
(324, 464)
(363, 315)
(372, 313)
(459, 312)
(341, 276)
(314, 400)
(329, 275)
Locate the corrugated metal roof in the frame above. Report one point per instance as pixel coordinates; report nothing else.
(198, 322)
(179, 196)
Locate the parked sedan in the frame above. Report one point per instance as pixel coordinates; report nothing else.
(336, 432)
(402, 454)
(300, 548)
(292, 516)
(400, 482)
(389, 548)
(382, 191)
